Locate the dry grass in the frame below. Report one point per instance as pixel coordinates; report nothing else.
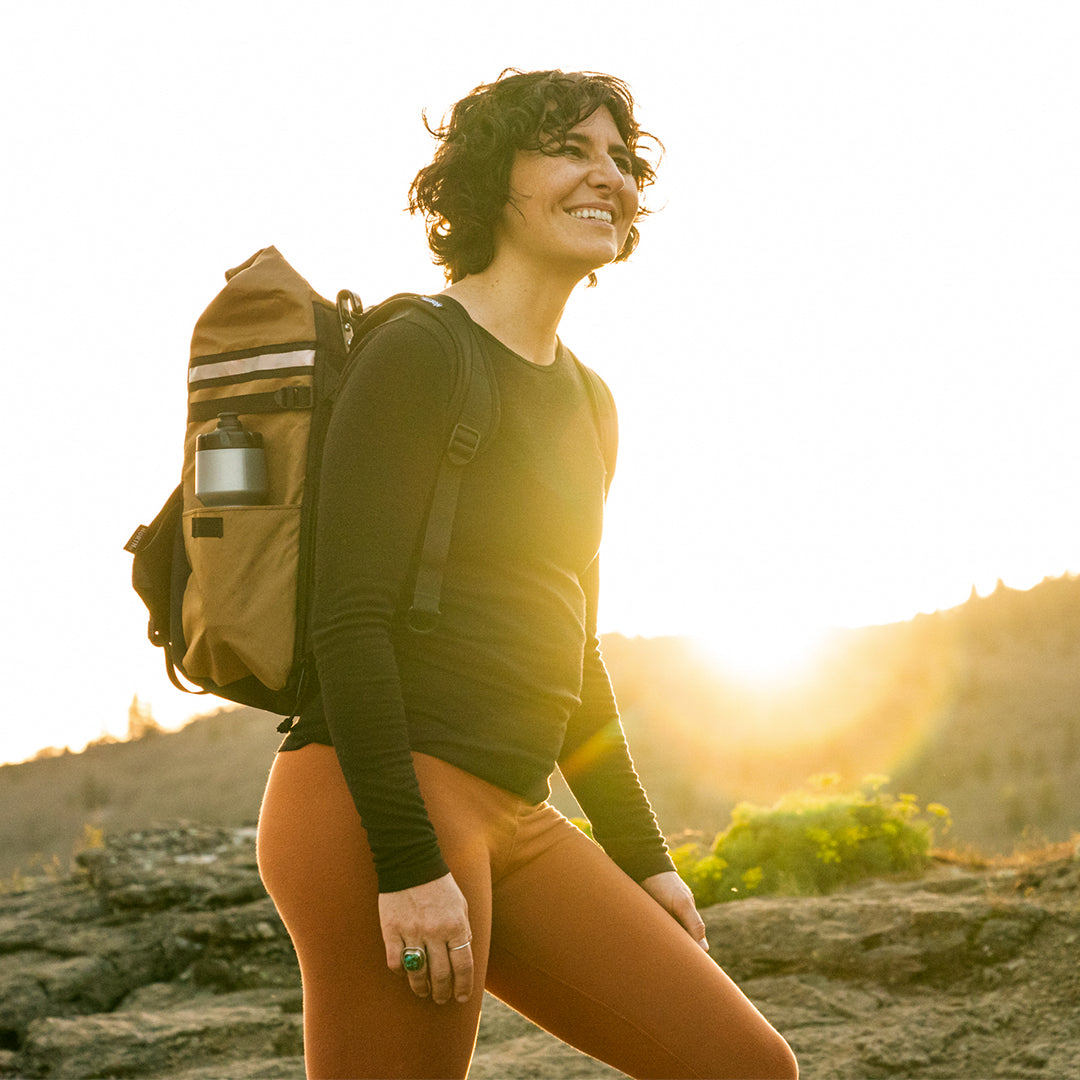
(1030, 854)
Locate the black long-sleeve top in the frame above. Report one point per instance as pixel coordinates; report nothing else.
(511, 682)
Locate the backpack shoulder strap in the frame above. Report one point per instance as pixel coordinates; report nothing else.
(607, 419)
(474, 413)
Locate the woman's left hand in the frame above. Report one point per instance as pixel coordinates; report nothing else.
(674, 895)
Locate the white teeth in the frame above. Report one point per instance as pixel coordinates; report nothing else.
(587, 213)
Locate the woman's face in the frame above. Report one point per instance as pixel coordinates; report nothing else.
(570, 212)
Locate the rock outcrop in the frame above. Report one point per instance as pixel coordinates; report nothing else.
(163, 956)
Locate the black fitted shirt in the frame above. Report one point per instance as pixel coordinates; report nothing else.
(511, 682)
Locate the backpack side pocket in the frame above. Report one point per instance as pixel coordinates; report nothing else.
(239, 610)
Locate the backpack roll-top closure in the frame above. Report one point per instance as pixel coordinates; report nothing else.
(264, 302)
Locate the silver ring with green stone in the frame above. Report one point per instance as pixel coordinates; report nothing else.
(413, 959)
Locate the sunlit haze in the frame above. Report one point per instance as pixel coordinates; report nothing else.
(845, 353)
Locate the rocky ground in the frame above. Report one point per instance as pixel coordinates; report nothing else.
(163, 957)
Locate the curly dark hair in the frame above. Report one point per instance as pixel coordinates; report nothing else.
(463, 191)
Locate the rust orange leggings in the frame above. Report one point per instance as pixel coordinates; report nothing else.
(559, 933)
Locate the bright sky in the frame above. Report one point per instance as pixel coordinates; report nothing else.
(845, 354)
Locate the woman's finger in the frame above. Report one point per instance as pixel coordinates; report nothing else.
(461, 961)
(415, 963)
(687, 913)
(674, 895)
(440, 974)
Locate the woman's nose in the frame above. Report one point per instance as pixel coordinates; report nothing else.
(607, 175)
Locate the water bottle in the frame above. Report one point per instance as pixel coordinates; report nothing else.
(230, 465)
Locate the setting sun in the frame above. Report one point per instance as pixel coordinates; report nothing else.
(765, 653)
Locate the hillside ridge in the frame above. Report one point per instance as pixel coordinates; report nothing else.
(976, 707)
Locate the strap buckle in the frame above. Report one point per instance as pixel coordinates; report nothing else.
(293, 397)
(464, 442)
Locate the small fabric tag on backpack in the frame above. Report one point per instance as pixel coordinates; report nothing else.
(208, 526)
(136, 538)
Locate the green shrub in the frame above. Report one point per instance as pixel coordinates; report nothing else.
(811, 842)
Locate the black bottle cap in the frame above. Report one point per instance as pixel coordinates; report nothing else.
(230, 434)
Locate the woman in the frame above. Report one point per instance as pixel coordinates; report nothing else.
(404, 835)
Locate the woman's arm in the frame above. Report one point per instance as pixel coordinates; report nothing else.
(381, 455)
(596, 763)
(383, 448)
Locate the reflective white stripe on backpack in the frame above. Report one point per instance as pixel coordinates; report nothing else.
(267, 363)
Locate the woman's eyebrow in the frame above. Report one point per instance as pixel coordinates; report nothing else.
(613, 148)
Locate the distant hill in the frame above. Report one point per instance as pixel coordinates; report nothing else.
(212, 772)
(977, 707)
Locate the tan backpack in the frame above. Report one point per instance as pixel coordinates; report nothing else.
(228, 586)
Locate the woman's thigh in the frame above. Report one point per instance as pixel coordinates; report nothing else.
(360, 1019)
(585, 952)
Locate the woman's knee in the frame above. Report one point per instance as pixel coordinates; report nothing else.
(776, 1061)
(749, 1050)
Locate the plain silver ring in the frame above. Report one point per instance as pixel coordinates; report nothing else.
(454, 948)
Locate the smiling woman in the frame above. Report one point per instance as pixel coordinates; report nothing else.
(543, 119)
(405, 833)
(572, 201)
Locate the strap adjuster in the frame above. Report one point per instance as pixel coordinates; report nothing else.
(464, 442)
(293, 397)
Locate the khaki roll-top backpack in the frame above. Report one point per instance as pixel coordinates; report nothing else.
(225, 569)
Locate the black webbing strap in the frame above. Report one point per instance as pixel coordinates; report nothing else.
(286, 397)
(178, 576)
(170, 670)
(474, 411)
(475, 424)
(427, 589)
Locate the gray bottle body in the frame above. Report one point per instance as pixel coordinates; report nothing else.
(230, 465)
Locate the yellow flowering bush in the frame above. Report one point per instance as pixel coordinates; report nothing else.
(811, 842)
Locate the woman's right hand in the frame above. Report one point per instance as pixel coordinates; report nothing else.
(433, 917)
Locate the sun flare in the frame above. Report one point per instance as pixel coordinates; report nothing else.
(768, 654)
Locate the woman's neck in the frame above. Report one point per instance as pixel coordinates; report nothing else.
(523, 312)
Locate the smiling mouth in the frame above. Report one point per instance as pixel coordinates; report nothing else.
(588, 213)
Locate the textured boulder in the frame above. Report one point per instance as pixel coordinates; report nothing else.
(145, 1043)
(958, 975)
(164, 957)
(915, 937)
